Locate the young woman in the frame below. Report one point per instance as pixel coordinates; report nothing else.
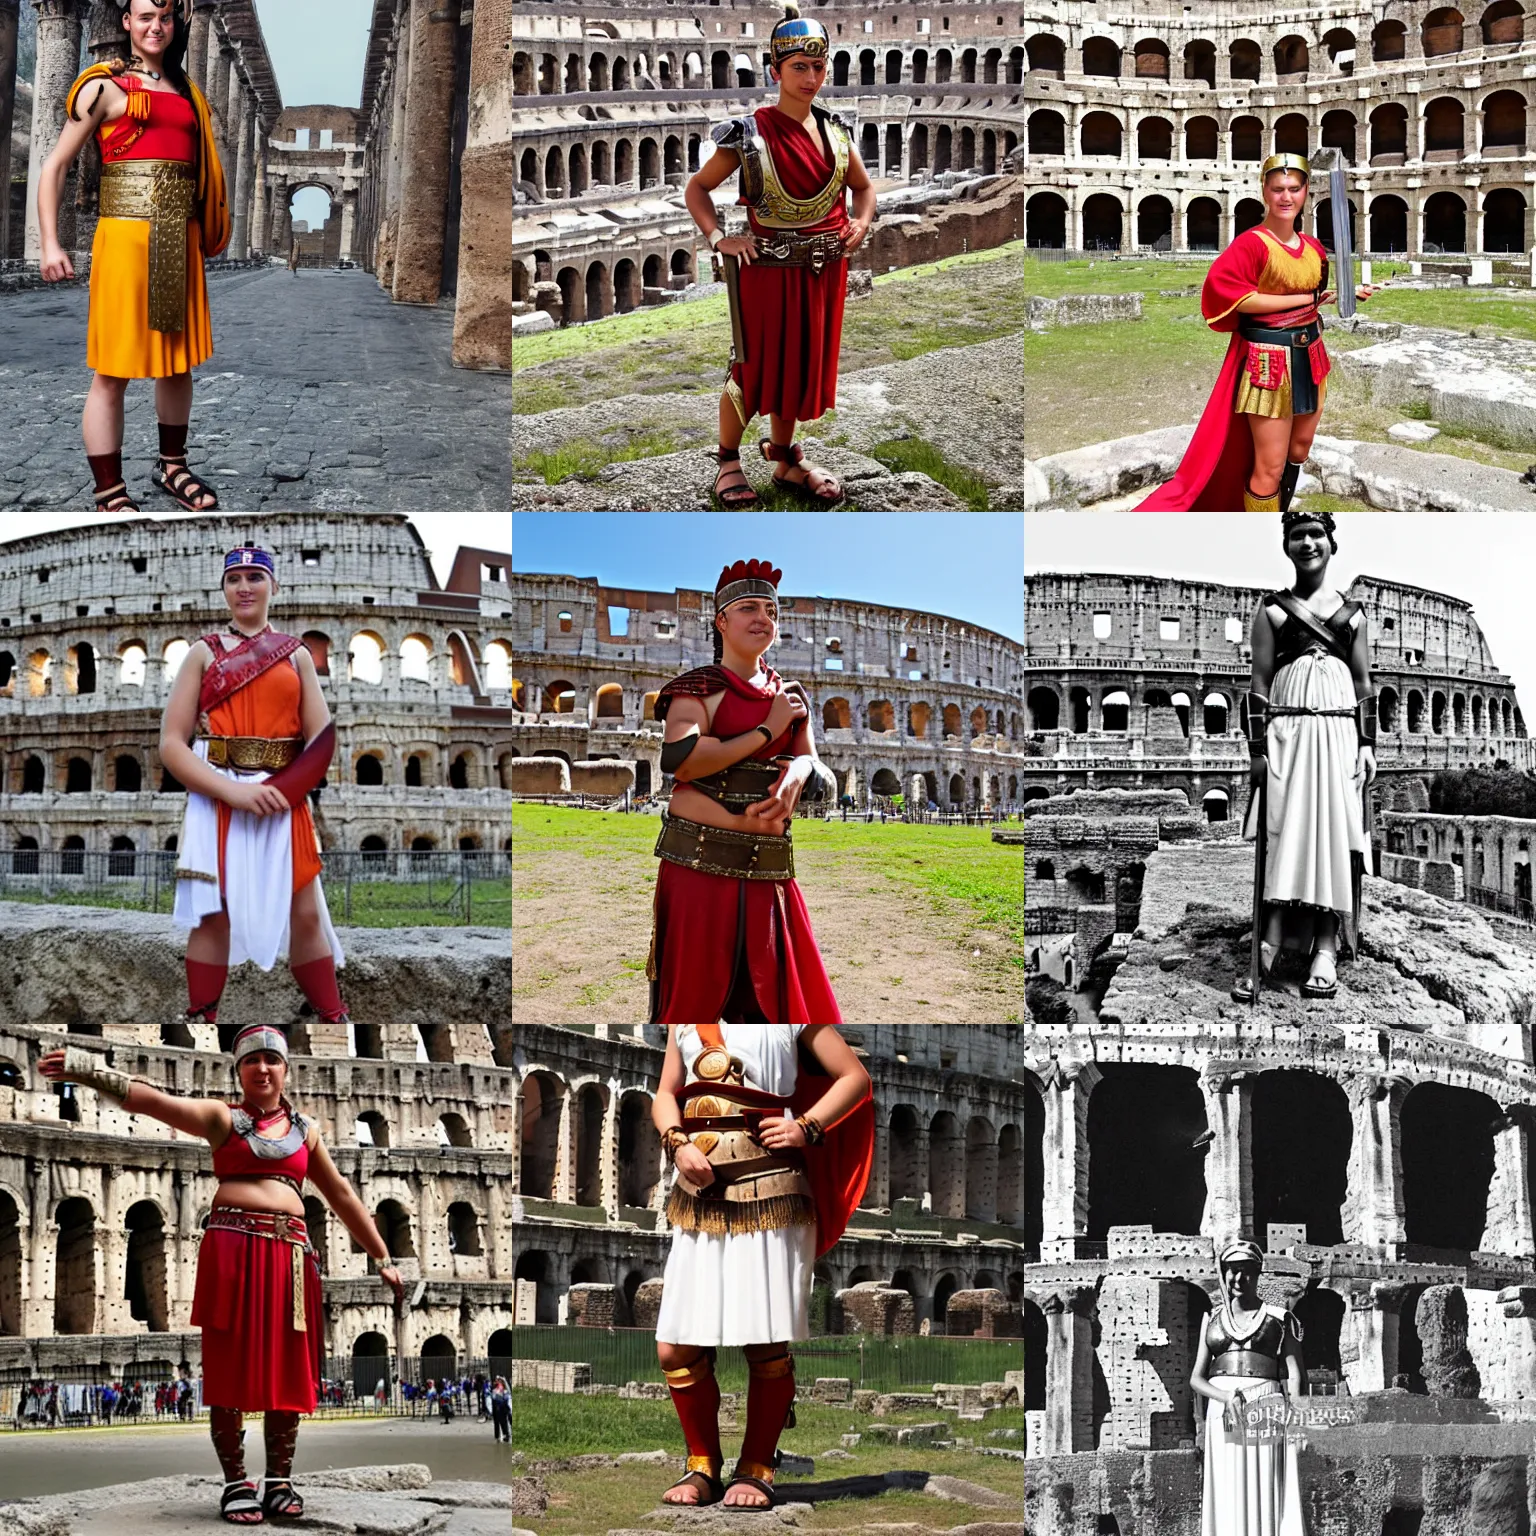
(787, 277)
(732, 938)
(1266, 289)
(257, 1297)
(751, 1212)
(163, 210)
(1311, 720)
(1248, 1350)
(247, 732)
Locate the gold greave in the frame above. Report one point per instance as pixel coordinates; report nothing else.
(1253, 503)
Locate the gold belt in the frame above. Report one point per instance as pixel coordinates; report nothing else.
(280, 1226)
(247, 754)
(162, 191)
(739, 855)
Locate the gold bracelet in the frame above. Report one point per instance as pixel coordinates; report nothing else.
(671, 1139)
(814, 1134)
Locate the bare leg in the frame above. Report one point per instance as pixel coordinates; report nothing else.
(209, 941)
(102, 423)
(732, 487)
(1271, 439)
(1303, 430)
(306, 935)
(731, 425)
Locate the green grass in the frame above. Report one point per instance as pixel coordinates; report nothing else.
(683, 347)
(582, 458)
(906, 454)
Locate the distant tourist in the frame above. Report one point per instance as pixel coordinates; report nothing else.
(501, 1411)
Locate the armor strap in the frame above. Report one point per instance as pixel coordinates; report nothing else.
(90, 1071)
(1366, 720)
(1255, 722)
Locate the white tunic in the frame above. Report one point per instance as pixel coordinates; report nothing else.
(741, 1287)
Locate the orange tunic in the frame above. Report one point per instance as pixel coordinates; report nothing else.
(270, 706)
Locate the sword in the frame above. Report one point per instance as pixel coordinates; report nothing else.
(1255, 970)
(1343, 249)
(732, 266)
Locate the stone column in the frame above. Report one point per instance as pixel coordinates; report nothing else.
(482, 328)
(240, 204)
(10, 11)
(392, 170)
(260, 212)
(1373, 1206)
(1228, 1211)
(1064, 1227)
(428, 151)
(563, 1183)
(348, 223)
(277, 205)
(879, 1194)
(1509, 1227)
(58, 61)
(1069, 1316)
(197, 43)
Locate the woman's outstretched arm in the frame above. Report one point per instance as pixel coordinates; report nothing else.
(208, 1118)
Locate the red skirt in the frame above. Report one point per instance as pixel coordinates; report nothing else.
(253, 1356)
(792, 321)
(704, 920)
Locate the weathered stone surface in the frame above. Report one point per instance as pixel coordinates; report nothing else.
(541, 776)
(1413, 432)
(1083, 309)
(530, 1496)
(1100, 472)
(1441, 1319)
(467, 1494)
(961, 1491)
(606, 776)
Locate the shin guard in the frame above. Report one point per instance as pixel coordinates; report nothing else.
(770, 1406)
(696, 1396)
(224, 1424)
(205, 986)
(317, 981)
(281, 1431)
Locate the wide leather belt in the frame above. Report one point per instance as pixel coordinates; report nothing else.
(740, 785)
(1290, 336)
(281, 1227)
(714, 851)
(744, 1168)
(250, 754)
(813, 251)
(163, 192)
(1246, 1362)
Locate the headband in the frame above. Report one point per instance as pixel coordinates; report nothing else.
(1286, 162)
(747, 578)
(249, 555)
(259, 1037)
(1242, 1253)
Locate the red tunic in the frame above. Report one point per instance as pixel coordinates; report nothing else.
(700, 917)
(792, 318)
(158, 125)
(1219, 460)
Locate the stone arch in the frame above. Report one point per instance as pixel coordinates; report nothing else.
(946, 1165)
(590, 1111)
(543, 1095)
(144, 1286)
(640, 1154)
(75, 1282)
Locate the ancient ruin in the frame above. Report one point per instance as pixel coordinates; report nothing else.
(934, 1248)
(416, 675)
(1376, 1145)
(904, 702)
(1146, 129)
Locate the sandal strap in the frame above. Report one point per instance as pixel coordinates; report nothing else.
(782, 453)
(726, 455)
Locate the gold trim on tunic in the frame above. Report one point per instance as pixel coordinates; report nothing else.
(774, 208)
(163, 192)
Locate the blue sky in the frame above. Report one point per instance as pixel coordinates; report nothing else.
(966, 565)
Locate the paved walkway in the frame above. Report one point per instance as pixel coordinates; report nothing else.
(320, 393)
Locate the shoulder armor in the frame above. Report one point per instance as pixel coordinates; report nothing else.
(240, 1122)
(734, 132)
(844, 120)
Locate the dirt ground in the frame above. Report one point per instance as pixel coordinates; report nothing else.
(581, 932)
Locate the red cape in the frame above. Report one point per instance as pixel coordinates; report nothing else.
(1215, 468)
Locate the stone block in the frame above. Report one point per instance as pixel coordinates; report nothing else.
(647, 1304)
(593, 1306)
(1413, 431)
(832, 1389)
(603, 776)
(552, 1375)
(531, 325)
(540, 776)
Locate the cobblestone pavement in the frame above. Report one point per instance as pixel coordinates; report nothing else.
(320, 393)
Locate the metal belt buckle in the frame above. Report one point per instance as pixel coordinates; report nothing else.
(280, 1226)
(818, 260)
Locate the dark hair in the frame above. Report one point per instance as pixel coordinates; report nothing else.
(175, 56)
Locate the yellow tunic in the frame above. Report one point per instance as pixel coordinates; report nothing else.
(1284, 272)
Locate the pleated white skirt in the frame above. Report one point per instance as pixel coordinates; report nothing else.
(1249, 1490)
(1314, 819)
(737, 1288)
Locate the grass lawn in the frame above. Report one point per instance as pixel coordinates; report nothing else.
(683, 347)
(594, 1500)
(1158, 371)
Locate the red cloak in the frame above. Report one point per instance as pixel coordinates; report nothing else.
(1216, 466)
(793, 318)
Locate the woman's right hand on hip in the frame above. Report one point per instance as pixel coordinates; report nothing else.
(694, 1166)
(742, 247)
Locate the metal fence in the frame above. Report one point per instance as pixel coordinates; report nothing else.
(1521, 908)
(351, 1386)
(915, 1362)
(460, 885)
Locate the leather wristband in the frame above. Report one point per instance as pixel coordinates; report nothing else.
(673, 1138)
(814, 1134)
(89, 1071)
(767, 731)
(715, 236)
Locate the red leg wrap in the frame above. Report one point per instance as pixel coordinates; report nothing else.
(698, 1409)
(205, 986)
(281, 1431)
(769, 1397)
(228, 1442)
(317, 981)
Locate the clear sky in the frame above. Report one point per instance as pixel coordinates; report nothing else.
(1484, 560)
(441, 532)
(965, 565)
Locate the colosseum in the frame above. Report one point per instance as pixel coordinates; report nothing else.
(944, 1212)
(416, 675)
(101, 1211)
(1378, 1146)
(904, 701)
(615, 103)
(1146, 129)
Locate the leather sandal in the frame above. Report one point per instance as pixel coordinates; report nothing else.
(238, 1503)
(172, 476)
(279, 1501)
(710, 1490)
(116, 498)
(1326, 986)
(732, 495)
(820, 487)
(761, 1486)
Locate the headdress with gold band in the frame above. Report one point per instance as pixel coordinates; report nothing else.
(747, 578)
(1286, 162)
(798, 34)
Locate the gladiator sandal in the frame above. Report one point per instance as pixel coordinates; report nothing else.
(1322, 982)
(770, 1410)
(818, 485)
(172, 476)
(696, 1396)
(112, 494)
(738, 491)
(1253, 502)
(238, 1504)
(280, 1429)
